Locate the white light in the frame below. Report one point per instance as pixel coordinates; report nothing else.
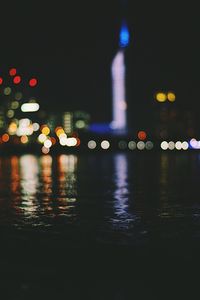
(132, 145)
(71, 142)
(105, 145)
(63, 141)
(48, 143)
(149, 145)
(42, 138)
(164, 145)
(36, 126)
(30, 107)
(178, 145)
(171, 145)
(185, 145)
(92, 144)
(141, 145)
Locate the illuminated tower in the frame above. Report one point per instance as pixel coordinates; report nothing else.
(118, 71)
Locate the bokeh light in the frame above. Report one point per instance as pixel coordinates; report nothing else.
(105, 145)
(178, 145)
(171, 97)
(164, 145)
(149, 145)
(1, 80)
(12, 72)
(92, 144)
(33, 82)
(141, 145)
(17, 79)
(5, 138)
(171, 145)
(7, 91)
(142, 135)
(161, 97)
(132, 145)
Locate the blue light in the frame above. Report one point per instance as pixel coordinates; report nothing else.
(124, 36)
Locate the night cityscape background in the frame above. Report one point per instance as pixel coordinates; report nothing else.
(99, 123)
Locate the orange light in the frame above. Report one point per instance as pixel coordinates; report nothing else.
(78, 142)
(5, 137)
(45, 130)
(24, 139)
(142, 135)
(53, 140)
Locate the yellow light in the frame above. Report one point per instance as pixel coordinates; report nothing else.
(24, 139)
(171, 97)
(10, 113)
(7, 91)
(45, 130)
(12, 128)
(161, 97)
(59, 131)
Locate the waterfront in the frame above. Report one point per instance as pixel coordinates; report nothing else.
(110, 213)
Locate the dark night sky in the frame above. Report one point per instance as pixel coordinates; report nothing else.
(70, 48)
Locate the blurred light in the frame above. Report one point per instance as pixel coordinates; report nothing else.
(46, 130)
(42, 138)
(24, 139)
(149, 145)
(171, 97)
(45, 150)
(142, 135)
(10, 113)
(105, 145)
(36, 126)
(80, 124)
(33, 82)
(171, 145)
(18, 96)
(53, 140)
(14, 105)
(71, 142)
(132, 145)
(78, 142)
(1, 80)
(194, 144)
(7, 91)
(5, 137)
(63, 141)
(17, 79)
(185, 145)
(12, 72)
(141, 145)
(124, 36)
(122, 145)
(164, 145)
(59, 131)
(161, 97)
(30, 107)
(62, 135)
(178, 145)
(12, 128)
(48, 143)
(92, 144)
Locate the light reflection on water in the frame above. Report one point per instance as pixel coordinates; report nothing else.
(110, 198)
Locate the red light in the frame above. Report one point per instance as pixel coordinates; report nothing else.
(13, 72)
(17, 79)
(142, 135)
(33, 82)
(1, 80)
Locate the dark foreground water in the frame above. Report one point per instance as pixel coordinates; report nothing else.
(103, 226)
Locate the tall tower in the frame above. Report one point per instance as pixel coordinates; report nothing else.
(118, 71)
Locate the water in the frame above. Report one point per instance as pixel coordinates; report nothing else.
(122, 207)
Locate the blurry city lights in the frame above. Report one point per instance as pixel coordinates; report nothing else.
(10, 113)
(161, 97)
(80, 124)
(48, 143)
(92, 144)
(45, 130)
(164, 145)
(71, 142)
(33, 82)
(14, 105)
(17, 79)
(12, 72)
(1, 80)
(42, 138)
(132, 145)
(105, 145)
(142, 135)
(185, 145)
(30, 107)
(178, 145)
(141, 145)
(171, 145)
(171, 97)
(5, 138)
(194, 144)
(7, 91)
(24, 139)
(12, 128)
(36, 126)
(149, 145)
(59, 131)
(45, 150)
(63, 141)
